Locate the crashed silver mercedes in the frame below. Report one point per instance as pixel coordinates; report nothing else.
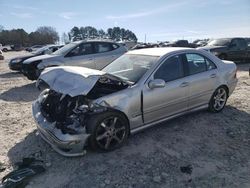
(82, 106)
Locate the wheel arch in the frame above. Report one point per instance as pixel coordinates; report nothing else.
(126, 117)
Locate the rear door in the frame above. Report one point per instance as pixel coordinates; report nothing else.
(106, 52)
(202, 79)
(172, 99)
(81, 55)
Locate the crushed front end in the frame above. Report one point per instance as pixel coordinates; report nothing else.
(61, 122)
(62, 118)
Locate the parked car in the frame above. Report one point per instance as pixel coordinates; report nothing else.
(6, 48)
(91, 54)
(201, 43)
(16, 63)
(235, 49)
(139, 89)
(34, 48)
(181, 43)
(1, 55)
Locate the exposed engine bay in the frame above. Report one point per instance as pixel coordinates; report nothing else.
(69, 113)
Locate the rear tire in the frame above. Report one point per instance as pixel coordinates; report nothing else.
(218, 100)
(108, 131)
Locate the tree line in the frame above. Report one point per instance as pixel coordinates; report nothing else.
(89, 32)
(49, 35)
(43, 35)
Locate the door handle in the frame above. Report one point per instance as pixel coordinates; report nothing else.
(213, 75)
(184, 84)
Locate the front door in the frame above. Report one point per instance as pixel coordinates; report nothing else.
(82, 55)
(159, 103)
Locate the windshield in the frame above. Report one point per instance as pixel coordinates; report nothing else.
(219, 42)
(131, 67)
(65, 49)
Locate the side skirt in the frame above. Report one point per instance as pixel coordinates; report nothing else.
(145, 126)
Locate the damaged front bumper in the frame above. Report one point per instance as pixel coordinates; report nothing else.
(65, 144)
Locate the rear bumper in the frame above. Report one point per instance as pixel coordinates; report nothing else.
(65, 144)
(232, 86)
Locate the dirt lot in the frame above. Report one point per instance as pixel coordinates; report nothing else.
(217, 146)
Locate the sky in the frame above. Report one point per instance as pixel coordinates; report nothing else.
(159, 20)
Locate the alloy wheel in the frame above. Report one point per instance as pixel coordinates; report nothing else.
(110, 133)
(220, 99)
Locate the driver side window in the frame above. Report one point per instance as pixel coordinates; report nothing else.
(171, 69)
(82, 49)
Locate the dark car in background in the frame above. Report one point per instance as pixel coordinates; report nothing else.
(235, 49)
(181, 43)
(16, 63)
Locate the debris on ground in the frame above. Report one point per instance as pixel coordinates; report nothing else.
(20, 177)
(186, 169)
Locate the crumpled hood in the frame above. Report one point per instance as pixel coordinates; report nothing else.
(211, 48)
(70, 80)
(40, 57)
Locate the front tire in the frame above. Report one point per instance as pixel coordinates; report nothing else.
(108, 131)
(218, 100)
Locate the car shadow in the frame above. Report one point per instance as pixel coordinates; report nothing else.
(166, 139)
(11, 75)
(25, 93)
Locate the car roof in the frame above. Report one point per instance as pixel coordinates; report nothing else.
(157, 51)
(95, 40)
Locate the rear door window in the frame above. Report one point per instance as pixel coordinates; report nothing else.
(102, 47)
(197, 63)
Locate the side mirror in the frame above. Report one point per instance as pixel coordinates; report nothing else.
(157, 83)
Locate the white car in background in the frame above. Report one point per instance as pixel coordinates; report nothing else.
(5, 48)
(90, 54)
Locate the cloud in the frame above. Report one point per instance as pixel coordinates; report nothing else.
(24, 7)
(21, 15)
(68, 15)
(166, 8)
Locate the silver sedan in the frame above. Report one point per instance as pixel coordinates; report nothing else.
(142, 88)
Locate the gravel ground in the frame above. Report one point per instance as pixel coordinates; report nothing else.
(214, 148)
